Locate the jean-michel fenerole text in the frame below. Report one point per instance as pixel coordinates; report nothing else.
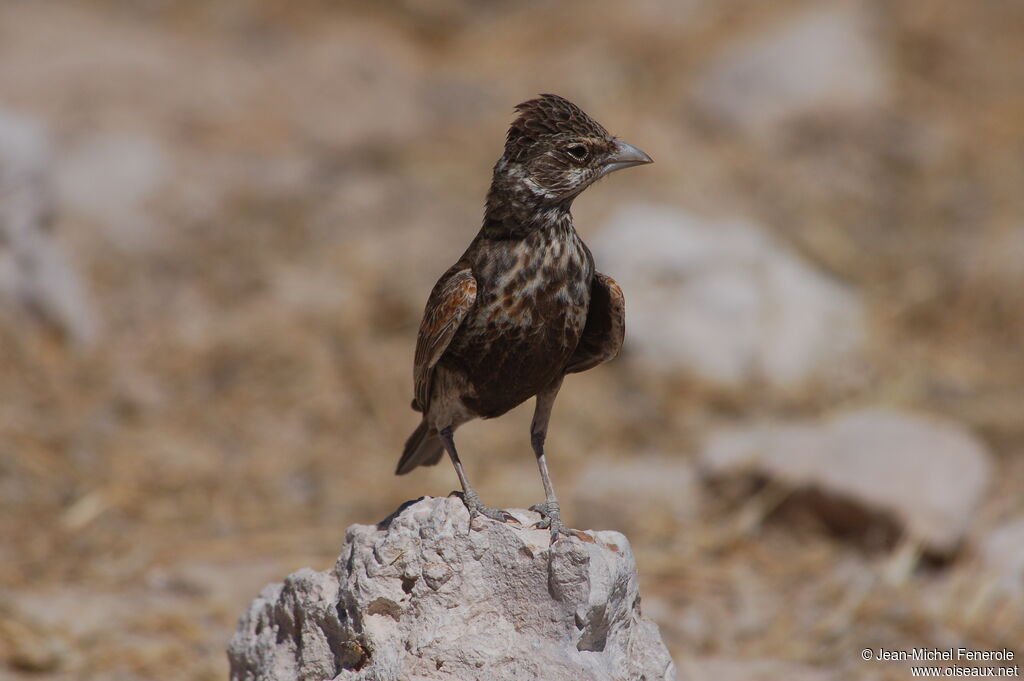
(945, 654)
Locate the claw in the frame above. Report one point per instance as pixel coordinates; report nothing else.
(551, 518)
(476, 507)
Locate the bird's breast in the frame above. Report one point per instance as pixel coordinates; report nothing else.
(539, 285)
(531, 308)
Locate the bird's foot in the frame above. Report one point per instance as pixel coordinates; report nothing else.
(476, 507)
(551, 518)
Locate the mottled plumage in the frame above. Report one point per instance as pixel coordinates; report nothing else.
(524, 304)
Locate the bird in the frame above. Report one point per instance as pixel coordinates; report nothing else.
(524, 306)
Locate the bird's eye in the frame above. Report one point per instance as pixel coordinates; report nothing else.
(577, 151)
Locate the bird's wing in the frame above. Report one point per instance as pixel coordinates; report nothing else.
(453, 295)
(605, 328)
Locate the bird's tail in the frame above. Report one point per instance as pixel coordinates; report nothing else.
(423, 448)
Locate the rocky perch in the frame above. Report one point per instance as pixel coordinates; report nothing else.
(421, 596)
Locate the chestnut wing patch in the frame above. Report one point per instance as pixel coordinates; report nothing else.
(452, 297)
(605, 328)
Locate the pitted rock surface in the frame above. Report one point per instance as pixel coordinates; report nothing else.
(425, 596)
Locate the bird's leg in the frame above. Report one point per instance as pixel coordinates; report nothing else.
(469, 495)
(551, 514)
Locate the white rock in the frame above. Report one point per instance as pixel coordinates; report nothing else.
(724, 301)
(1003, 554)
(109, 178)
(927, 474)
(36, 274)
(422, 596)
(824, 59)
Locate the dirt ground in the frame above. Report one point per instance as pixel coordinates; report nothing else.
(259, 196)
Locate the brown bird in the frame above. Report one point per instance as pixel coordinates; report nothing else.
(524, 305)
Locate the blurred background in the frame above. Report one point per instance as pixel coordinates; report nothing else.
(219, 222)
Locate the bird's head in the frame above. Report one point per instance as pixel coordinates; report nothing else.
(554, 151)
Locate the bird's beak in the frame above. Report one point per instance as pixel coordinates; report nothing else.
(625, 156)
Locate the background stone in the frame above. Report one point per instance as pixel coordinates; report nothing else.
(636, 495)
(1002, 552)
(927, 474)
(725, 301)
(820, 60)
(37, 275)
